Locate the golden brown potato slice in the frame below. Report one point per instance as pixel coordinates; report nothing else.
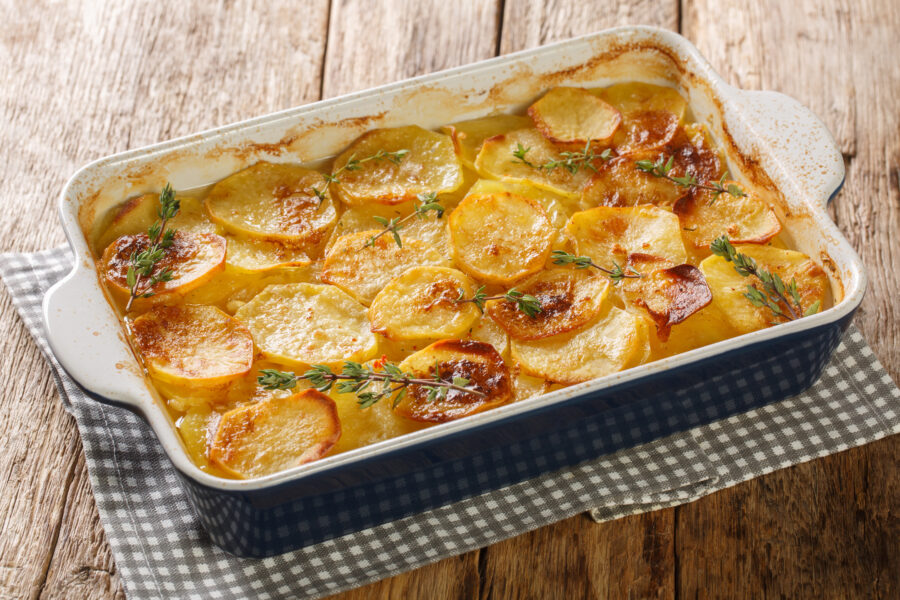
(669, 296)
(706, 326)
(248, 255)
(137, 214)
(619, 182)
(567, 115)
(275, 435)
(608, 234)
(650, 114)
(484, 329)
(744, 219)
(192, 259)
(428, 229)
(363, 426)
(499, 238)
(526, 386)
(728, 287)
(302, 324)
(197, 427)
(193, 345)
(498, 161)
(428, 165)
(692, 151)
(421, 303)
(569, 298)
(477, 362)
(616, 340)
(363, 270)
(468, 136)
(558, 208)
(274, 202)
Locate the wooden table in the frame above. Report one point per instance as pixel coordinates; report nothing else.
(79, 80)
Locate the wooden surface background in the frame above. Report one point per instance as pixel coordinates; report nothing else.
(79, 80)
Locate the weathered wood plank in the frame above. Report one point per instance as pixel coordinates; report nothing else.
(374, 43)
(822, 529)
(530, 23)
(81, 81)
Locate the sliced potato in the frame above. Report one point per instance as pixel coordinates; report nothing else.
(728, 287)
(137, 214)
(618, 182)
(363, 426)
(497, 161)
(693, 151)
(608, 234)
(301, 324)
(429, 229)
(669, 296)
(477, 362)
(706, 326)
(468, 136)
(252, 256)
(483, 330)
(192, 259)
(196, 427)
(569, 298)
(526, 386)
(558, 208)
(277, 434)
(567, 115)
(363, 270)
(650, 114)
(421, 303)
(428, 166)
(193, 345)
(499, 238)
(274, 202)
(615, 341)
(744, 219)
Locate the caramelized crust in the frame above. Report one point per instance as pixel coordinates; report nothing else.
(193, 258)
(569, 298)
(669, 295)
(477, 362)
(276, 434)
(193, 345)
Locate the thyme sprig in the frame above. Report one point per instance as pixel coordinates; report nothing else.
(616, 274)
(142, 274)
(570, 161)
(354, 164)
(526, 303)
(782, 300)
(661, 169)
(427, 204)
(370, 385)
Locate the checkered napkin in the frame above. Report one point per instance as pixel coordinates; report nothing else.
(162, 552)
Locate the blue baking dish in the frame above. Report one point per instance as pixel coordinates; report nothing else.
(771, 142)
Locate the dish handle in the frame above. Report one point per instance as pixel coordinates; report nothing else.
(800, 146)
(88, 341)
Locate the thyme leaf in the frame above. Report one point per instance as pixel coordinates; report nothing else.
(616, 274)
(369, 384)
(142, 274)
(526, 303)
(427, 203)
(661, 169)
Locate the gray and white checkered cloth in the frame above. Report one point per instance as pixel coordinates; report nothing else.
(162, 552)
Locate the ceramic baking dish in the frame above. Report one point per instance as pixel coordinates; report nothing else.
(771, 142)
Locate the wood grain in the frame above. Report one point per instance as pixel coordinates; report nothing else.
(84, 79)
(824, 529)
